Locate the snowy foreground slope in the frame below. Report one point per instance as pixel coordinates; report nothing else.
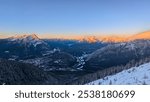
(134, 76)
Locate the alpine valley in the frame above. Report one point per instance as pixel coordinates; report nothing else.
(28, 60)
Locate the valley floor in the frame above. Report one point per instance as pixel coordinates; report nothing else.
(134, 76)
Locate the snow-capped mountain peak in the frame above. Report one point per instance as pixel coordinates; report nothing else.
(23, 37)
(90, 39)
(27, 39)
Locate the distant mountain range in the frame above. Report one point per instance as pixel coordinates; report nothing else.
(115, 38)
(92, 38)
(109, 38)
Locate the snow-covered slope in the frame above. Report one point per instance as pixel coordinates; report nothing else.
(134, 76)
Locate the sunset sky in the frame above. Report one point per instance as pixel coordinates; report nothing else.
(70, 17)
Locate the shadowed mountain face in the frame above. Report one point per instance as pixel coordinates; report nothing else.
(75, 47)
(15, 73)
(55, 61)
(118, 54)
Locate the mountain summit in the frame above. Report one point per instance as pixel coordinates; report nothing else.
(29, 40)
(25, 37)
(23, 46)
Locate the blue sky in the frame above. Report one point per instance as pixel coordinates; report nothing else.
(74, 16)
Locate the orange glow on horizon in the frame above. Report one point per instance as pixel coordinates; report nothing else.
(89, 38)
(104, 38)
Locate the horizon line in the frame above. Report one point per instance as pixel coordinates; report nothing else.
(69, 35)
